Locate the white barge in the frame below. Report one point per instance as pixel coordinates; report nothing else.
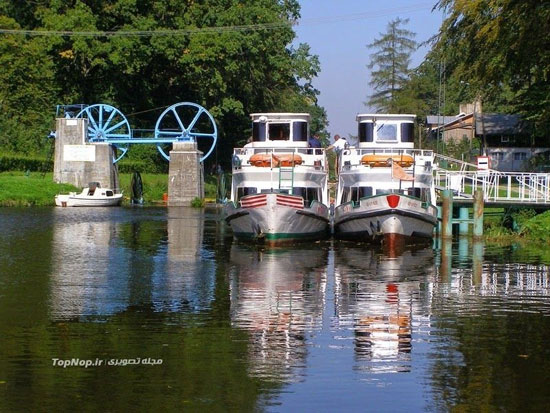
(279, 190)
(385, 189)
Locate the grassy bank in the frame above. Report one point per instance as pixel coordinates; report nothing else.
(20, 189)
(35, 189)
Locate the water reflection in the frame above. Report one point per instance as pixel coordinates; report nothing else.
(277, 295)
(378, 297)
(471, 281)
(102, 266)
(187, 279)
(81, 282)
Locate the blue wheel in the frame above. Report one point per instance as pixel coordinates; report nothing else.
(107, 122)
(187, 122)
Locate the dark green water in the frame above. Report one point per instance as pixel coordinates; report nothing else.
(175, 316)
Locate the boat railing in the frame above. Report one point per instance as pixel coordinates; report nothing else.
(353, 158)
(314, 157)
(387, 151)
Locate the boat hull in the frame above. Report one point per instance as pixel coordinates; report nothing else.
(78, 201)
(373, 220)
(277, 219)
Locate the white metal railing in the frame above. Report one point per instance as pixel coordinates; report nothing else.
(496, 186)
(314, 157)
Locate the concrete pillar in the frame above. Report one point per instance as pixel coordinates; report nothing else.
(79, 162)
(185, 174)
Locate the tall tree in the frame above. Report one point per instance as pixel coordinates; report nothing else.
(391, 63)
(502, 49)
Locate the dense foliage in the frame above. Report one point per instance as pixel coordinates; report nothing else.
(493, 51)
(232, 56)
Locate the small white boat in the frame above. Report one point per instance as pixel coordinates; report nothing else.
(94, 195)
(385, 188)
(279, 190)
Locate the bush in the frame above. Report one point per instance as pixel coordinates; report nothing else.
(15, 162)
(197, 202)
(537, 228)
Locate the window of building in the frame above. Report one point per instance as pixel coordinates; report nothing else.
(520, 156)
(497, 156)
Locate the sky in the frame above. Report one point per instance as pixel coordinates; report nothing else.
(338, 31)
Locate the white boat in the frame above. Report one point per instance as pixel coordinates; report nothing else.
(279, 190)
(386, 191)
(94, 195)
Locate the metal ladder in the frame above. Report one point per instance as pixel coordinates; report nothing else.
(286, 178)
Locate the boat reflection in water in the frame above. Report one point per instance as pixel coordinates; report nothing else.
(378, 297)
(277, 295)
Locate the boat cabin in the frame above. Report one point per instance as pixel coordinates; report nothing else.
(279, 129)
(387, 130)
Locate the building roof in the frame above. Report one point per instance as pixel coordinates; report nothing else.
(439, 120)
(500, 124)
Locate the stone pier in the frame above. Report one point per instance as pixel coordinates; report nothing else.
(79, 162)
(185, 174)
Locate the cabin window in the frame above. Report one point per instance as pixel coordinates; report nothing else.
(360, 192)
(366, 132)
(407, 132)
(258, 131)
(109, 193)
(421, 193)
(345, 195)
(279, 131)
(299, 131)
(248, 190)
(389, 191)
(386, 132)
(309, 194)
(414, 192)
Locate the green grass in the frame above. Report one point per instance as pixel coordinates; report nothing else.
(154, 186)
(20, 189)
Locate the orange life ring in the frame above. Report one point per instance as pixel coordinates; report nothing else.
(268, 160)
(287, 159)
(260, 159)
(382, 160)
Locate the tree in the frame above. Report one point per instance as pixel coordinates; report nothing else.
(391, 61)
(230, 58)
(501, 48)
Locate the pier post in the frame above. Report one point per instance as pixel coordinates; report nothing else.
(447, 214)
(463, 214)
(185, 174)
(446, 259)
(478, 213)
(78, 162)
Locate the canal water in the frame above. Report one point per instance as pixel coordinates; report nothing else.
(155, 309)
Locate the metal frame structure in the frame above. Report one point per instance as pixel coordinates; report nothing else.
(107, 124)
